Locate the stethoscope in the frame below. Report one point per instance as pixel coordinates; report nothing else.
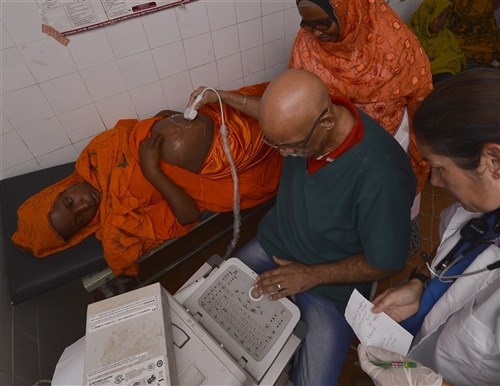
(472, 232)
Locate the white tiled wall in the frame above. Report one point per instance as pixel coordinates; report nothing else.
(405, 8)
(55, 98)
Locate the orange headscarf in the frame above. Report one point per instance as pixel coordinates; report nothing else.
(378, 64)
(34, 229)
(134, 218)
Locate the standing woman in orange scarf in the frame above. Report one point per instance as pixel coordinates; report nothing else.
(362, 50)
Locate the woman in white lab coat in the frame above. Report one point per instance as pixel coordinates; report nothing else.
(457, 323)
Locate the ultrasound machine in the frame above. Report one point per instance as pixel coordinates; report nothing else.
(222, 334)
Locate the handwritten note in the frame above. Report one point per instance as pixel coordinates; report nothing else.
(376, 329)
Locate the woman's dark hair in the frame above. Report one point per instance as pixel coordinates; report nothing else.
(461, 115)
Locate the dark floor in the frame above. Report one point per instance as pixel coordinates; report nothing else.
(34, 333)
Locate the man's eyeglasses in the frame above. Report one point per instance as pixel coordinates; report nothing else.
(320, 25)
(299, 146)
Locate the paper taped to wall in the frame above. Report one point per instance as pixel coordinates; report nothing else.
(376, 329)
(72, 16)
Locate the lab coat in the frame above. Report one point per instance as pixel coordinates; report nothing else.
(460, 336)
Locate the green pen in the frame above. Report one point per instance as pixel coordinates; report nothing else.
(395, 364)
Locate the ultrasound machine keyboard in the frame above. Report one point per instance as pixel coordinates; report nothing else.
(254, 324)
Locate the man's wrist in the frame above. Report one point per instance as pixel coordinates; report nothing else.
(314, 274)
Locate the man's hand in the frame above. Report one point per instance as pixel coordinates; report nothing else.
(289, 279)
(417, 376)
(401, 302)
(149, 154)
(208, 97)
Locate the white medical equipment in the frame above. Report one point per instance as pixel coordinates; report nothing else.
(200, 358)
(252, 331)
(190, 113)
(129, 340)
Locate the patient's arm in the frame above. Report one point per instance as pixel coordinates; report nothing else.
(181, 203)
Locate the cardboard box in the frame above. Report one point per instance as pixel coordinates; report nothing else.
(129, 340)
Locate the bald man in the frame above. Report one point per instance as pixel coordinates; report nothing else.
(342, 214)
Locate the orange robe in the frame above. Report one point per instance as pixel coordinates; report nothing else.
(378, 64)
(134, 218)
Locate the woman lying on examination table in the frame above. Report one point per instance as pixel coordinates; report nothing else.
(144, 182)
(456, 314)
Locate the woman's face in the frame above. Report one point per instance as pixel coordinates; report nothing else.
(440, 21)
(317, 21)
(74, 208)
(476, 190)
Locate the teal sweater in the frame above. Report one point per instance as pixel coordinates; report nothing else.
(359, 203)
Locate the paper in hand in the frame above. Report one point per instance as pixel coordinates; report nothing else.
(378, 330)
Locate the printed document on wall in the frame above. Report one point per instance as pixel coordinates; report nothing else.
(73, 16)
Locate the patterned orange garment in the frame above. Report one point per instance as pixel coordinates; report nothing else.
(133, 216)
(378, 64)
